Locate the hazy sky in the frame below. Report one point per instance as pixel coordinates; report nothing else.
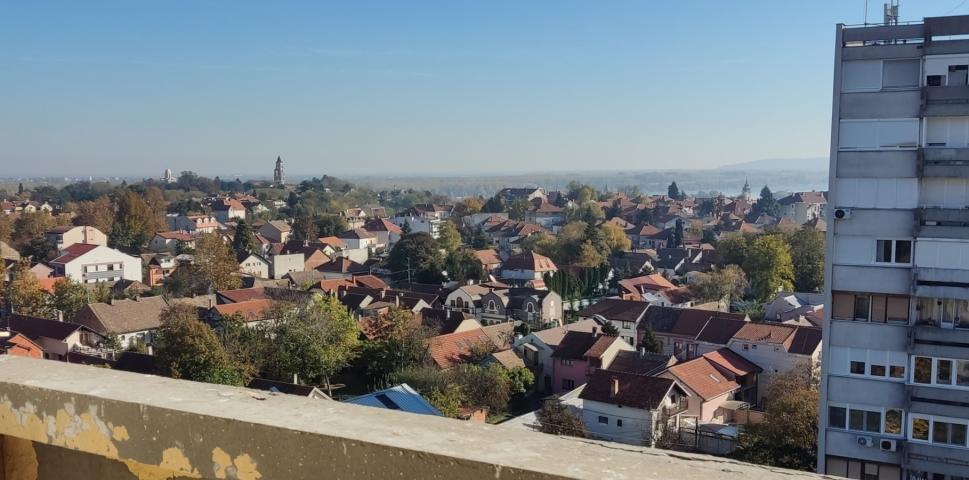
(223, 87)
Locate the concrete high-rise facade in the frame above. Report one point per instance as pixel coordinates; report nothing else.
(895, 375)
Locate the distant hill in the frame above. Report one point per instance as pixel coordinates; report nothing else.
(781, 164)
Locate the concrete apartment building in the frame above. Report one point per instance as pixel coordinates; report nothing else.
(895, 375)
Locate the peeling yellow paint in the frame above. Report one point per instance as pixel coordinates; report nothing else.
(119, 433)
(220, 462)
(242, 468)
(174, 463)
(21, 422)
(19, 459)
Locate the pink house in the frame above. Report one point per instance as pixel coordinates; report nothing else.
(579, 354)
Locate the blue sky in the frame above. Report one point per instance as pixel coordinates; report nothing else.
(366, 87)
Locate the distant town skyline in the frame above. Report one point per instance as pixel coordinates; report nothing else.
(114, 88)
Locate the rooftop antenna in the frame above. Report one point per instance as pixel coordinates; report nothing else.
(866, 13)
(891, 12)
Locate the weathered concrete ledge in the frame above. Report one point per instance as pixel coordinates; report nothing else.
(71, 421)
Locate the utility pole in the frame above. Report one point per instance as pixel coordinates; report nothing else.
(408, 270)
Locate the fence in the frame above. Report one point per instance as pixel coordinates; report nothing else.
(697, 439)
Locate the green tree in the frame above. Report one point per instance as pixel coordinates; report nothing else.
(462, 265)
(244, 241)
(478, 239)
(448, 237)
(677, 240)
(98, 213)
(517, 209)
(39, 250)
(31, 226)
(488, 387)
(215, 263)
(788, 436)
(304, 228)
(728, 283)
(767, 203)
(615, 238)
(649, 341)
(190, 349)
(419, 254)
(610, 329)
(770, 266)
(522, 380)
(555, 418)
(807, 255)
(734, 248)
(6, 228)
(673, 191)
(330, 225)
(395, 345)
(314, 342)
(25, 294)
(69, 298)
(494, 204)
(135, 221)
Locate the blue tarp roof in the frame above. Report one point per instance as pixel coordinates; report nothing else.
(402, 397)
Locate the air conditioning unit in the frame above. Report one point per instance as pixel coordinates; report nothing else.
(865, 441)
(888, 445)
(842, 213)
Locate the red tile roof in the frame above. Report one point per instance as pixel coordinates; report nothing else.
(732, 362)
(454, 348)
(73, 252)
(530, 261)
(251, 310)
(701, 375)
(635, 391)
(243, 294)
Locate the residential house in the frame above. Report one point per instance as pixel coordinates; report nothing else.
(401, 398)
(66, 235)
(253, 264)
(537, 347)
(341, 267)
(545, 214)
(446, 351)
(490, 260)
(467, 298)
(358, 239)
(56, 339)
(282, 264)
(579, 354)
(680, 297)
(171, 241)
(641, 362)
(538, 308)
(17, 345)
(634, 288)
(387, 234)
(628, 408)
(228, 209)
(794, 308)
(251, 312)
(709, 388)
(160, 267)
(778, 348)
(677, 329)
(276, 231)
(508, 234)
(84, 263)
(625, 315)
(314, 254)
(738, 369)
(802, 207)
(430, 225)
(527, 269)
(193, 223)
(133, 322)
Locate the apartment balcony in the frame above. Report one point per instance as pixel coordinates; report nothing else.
(933, 341)
(944, 162)
(61, 420)
(952, 223)
(951, 101)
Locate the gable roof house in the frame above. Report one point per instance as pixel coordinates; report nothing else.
(133, 321)
(629, 408)
(538, 308)
(446, 351)
(678, 329)
(490, 260)
(579, 354)
(802, 207)
(228, 209)
(66, 235)
(510, 195)
(777, 348)
(171, 241)
(386, 233)
(545, 214)
(86, 263)
(537, 347)
(253, 264)
(55, 339)
(402, 398)
(527, 269)
(276, 231)
(708, 386)
(625, 315)
(634, 288)
(193, 223)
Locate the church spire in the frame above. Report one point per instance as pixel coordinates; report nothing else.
(278, 179)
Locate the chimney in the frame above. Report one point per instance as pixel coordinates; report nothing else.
(595, 330)
(614, 387)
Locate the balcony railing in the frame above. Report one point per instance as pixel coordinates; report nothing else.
(73, 421)
(945, 101)
(944, 162)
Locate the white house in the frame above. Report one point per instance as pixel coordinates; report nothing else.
(169, 241)
(777, 348)
(536, 349)
(66, 235)
(277, 231)
(254, 265)
(228, 209)
(358, 239)
(193, 223)
(430, 225)
(527, 267)
(802, 207)
(628, 408)
(85, 263)
(284, 263)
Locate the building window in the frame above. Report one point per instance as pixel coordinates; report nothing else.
(603, 420)
(943, 312)
(893, 251)
(865, 307)
(887, 421)
(854, 468)
(619, 423)
(566, 362)
(943, 372)
(858, 368)
(939, 430)
(568, 384)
